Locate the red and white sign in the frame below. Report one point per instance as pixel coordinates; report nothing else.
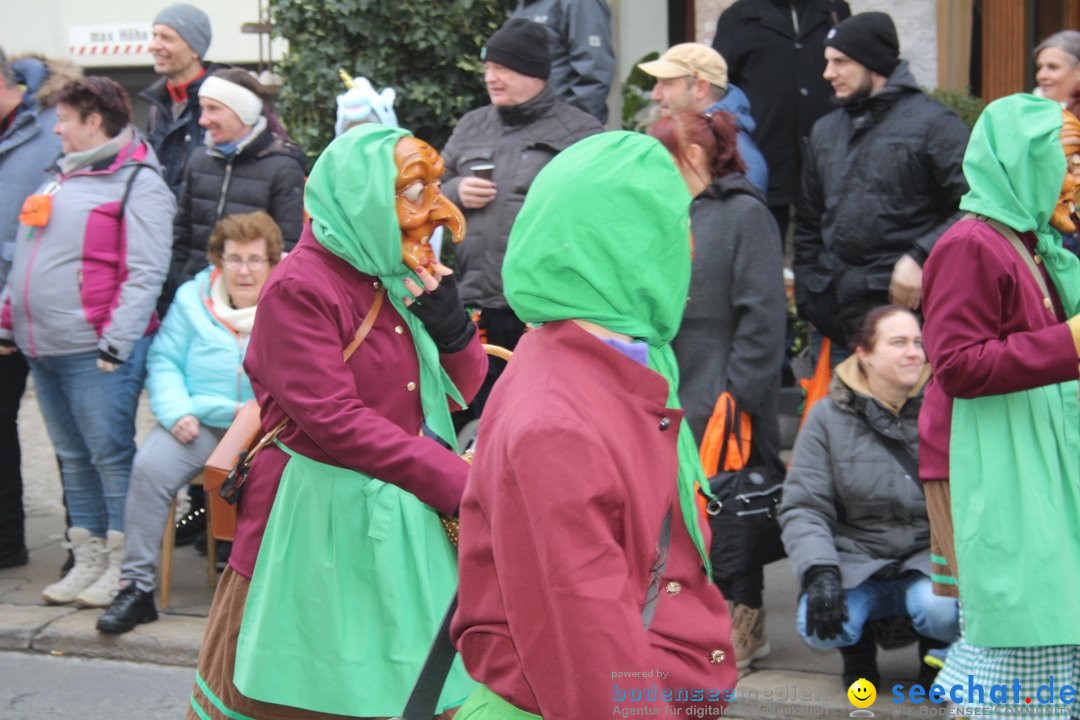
(116, 39)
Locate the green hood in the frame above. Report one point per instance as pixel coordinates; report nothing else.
(350, 198)
(604, 236)
(1015, 165)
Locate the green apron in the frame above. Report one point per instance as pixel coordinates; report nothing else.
(1014, 459)
(1015, 484)
(352, 581)
(486, 705)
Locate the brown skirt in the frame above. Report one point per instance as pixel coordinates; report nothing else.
(214, 692)
(942, 547)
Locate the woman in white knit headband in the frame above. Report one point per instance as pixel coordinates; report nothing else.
(245, 167)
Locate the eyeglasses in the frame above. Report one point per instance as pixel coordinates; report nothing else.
(254, 264)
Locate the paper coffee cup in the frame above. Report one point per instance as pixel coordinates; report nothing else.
(485, 171)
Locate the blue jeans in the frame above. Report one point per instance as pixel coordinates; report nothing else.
(933, 616)
(90, 416)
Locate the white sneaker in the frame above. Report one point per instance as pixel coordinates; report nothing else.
(105, 588)
(90, 557)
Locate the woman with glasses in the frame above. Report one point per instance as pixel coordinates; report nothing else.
(197, 383)
(90, 257)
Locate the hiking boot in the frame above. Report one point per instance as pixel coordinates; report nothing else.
(130, 607)
(860, 661)
(748, 634)
(105, 588)
(90, 560)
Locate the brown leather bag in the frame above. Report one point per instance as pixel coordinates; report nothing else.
(226, 469)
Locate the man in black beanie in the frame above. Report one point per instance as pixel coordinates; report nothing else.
(882, 180)
(491, 160)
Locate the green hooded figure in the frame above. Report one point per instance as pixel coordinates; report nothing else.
(612, 259)
(1014, 458)
(354, 574)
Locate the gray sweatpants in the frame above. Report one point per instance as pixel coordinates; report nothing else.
(162, 466)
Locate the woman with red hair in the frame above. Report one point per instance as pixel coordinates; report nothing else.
(732, 334)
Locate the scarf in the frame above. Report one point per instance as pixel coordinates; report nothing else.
(238, 320)
(88, 158)
(604, 236)
(350, 198)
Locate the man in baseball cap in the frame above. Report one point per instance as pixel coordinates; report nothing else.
(694, 77)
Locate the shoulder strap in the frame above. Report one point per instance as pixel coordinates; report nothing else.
(902, 456)
(652, 597)
(358, 339)
(365, 327)
(129, 183)
(1021, 250)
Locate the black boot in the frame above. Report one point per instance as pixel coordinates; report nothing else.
(190, 525)
(860, 661)
(928, 670)
(129, 608)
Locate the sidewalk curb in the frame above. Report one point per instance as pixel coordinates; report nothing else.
(175, 640)
(791, 693)
(171, 640)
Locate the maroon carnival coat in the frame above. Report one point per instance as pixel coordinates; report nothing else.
(575, 470)
(362, 414)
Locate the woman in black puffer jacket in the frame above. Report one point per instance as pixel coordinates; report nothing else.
(246, 166)
(854, 513)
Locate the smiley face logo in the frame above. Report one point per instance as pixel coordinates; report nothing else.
(862, 693)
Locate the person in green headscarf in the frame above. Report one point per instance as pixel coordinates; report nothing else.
(567, 609)
(1000, 424)
(341, 571)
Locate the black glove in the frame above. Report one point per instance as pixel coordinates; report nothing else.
(444, 316)
(826, 602)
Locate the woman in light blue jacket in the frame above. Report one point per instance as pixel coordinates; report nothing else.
(196, 381)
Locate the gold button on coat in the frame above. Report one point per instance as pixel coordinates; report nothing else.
(673, 588)
(717, 656)
(398, 329)
(410, 386)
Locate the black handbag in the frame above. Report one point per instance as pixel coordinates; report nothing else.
(747, 492)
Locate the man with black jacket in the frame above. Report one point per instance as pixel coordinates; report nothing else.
(773, 51)
(882, 181)
(181, 36)
(492, 158)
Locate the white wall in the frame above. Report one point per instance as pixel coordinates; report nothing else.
(45, 26)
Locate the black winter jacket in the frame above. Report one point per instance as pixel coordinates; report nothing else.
(519, 140)
(780, 70)
(265, 174)
(174, 138)
(883, 178)
(848, 502)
